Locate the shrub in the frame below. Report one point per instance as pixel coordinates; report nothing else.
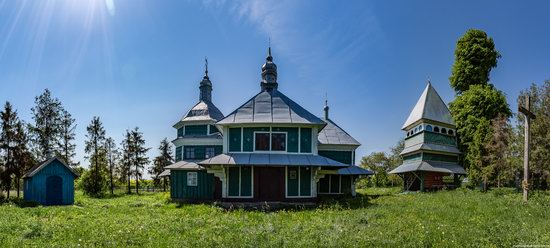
(93, 184)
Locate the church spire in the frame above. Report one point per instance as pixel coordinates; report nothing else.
(269, 73)
(205, 85)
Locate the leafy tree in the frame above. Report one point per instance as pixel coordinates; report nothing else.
(379, 163)
(94, 184)
(139, 155)
(45, 131)
(164, 159)
(472, 112)
(23, 158)
(497, 150)
(540, 135)
(66, 139)
(475, 56)
(112, 157)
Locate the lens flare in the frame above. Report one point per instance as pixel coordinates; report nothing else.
(110, 4)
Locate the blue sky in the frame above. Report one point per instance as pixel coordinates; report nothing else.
(139, 62)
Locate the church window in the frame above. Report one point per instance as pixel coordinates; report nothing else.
(261, 141)
(444, 130)
(450, 132)
(209, 152)
(278, 141)
(436, 129)
(189, 152)
(429, 128)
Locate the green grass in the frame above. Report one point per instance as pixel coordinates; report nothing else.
(385, 218)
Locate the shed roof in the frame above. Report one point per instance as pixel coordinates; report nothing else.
(430, 106)
(271, 107)
(430, 166)
(38, 167)
(203, 111)
(269, 159)
(165, 173)
(332, 134)
(184, 165)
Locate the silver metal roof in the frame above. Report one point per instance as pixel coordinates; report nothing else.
(271, 107)
(262, 159)
(165, 173)
(354, 170)
(332, 134)
(430, 106)
(430, 166)
(35, 169)
(184, 165)
(430, 147)
(203, 111)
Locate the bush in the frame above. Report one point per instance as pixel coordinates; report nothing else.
(93, 184)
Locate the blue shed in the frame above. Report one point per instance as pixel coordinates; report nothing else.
(50, 183)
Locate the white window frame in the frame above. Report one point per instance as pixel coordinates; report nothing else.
(330, 176)
(299, 184)
(254, 141)
(271, 141)
(192, 178)
(206, 154)
(185, 152)
(240, 181)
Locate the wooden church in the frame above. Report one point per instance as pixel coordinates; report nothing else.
(430, 157)
(270, 149)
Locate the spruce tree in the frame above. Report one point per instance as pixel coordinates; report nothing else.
(139, 155)
(125, 163)
(65, 142)
(95, 150)
(164, 159)
(46, 128)
(112, 158)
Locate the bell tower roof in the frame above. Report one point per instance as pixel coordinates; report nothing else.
(269, 73)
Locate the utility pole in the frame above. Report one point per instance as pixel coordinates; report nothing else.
(526, 111)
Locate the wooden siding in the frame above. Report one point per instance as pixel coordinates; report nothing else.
(200, 151)
(335, 184)
(180, 191)
(196, 130)
(305, 140)
(234, 139)
(213, 129)
(344, 157)
(439, 157)
(179, 153)
(292, 137)
(180, 132)
(35, 188)
(440, 139)
(248, 137)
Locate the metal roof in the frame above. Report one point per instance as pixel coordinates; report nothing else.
(271, 107)
(184, 165)
(165, 173)
(430, 147)
(203, 111)
(35, 169)
(354, 170)
(271, 159)
(332, 134)
(430, 106)
(430, 166)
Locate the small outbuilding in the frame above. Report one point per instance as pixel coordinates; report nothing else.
(50, 183)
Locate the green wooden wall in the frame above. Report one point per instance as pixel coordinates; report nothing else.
(179, 153)
(294, 136)
(440, 139)
(179, 189)
(196, 129)
(439, 157)
(35, 188)
(234, 139)
(305, 140)
(344, 157)
(413, 157)
(248, 137)
(200, 151)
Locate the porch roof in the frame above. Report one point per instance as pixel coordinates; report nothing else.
(269, 159)
(354, 170)
(184, 165)
(430, 166)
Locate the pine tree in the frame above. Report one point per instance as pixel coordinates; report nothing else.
(112, 158)
(125, 163)
(23, 159)
(139, 155)
(9, 120)
(66, 146)
(164, 159)
(46, 128)
(95, 148)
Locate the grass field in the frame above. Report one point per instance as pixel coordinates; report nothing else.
(382, 218)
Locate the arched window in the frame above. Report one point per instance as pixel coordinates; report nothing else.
(444, 130)
(408, 134)
(450, 132)
(420, 127)
(436, 129)
(416, 129)
(429, 128)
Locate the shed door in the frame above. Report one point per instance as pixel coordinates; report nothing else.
(54, 190)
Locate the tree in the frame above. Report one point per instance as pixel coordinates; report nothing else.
(95, 182)
(112, 157)
(162, 160)
(472, 112)
(13, 148)
(475, 56)
(139, 155)
(379, 163)
(65, 142)
(497, 150)
(45, 131)
(540, 134)
(125, 163)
